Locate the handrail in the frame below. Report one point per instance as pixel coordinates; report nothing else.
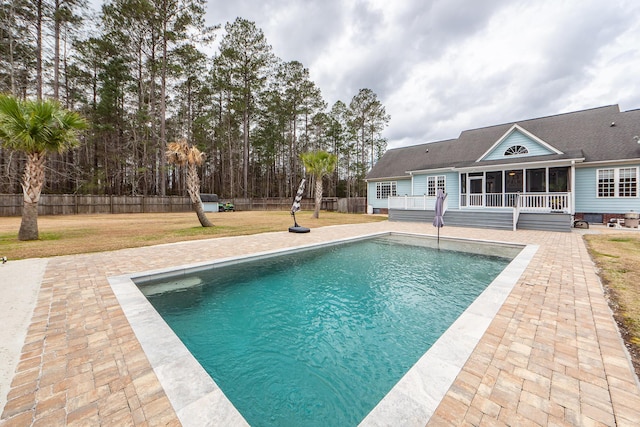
(516, 212)
(527, 202)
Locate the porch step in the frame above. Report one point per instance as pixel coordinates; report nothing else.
(545, 221)
(459, 218)
(502, 220)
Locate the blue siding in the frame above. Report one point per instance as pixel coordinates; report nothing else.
(452, 183)
(403, 186)
(587, 191)
(453, 190)
(419, 185)
(518, 138)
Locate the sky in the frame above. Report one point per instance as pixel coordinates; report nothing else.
(443, 66)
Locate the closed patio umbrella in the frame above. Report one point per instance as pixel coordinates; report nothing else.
(295, 208)
(438, 220)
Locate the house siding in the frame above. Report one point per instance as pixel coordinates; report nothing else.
(452, 187)
(517, 138)
(403, 186)
(587, 200)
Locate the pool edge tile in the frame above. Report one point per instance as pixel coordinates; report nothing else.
(183, 379)
(409, 396)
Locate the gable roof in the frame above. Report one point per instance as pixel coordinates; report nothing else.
(586, 134)
(518, 129)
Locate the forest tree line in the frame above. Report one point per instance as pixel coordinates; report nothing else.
(139, 72)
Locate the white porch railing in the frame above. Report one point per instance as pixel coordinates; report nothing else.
(421, 203)
(489, 200)
(545, 202)
(530, 202)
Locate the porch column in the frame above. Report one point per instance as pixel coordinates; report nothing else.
(572, 170)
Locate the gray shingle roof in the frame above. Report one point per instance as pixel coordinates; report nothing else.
(584, 134)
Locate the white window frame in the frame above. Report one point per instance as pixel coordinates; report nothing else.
(619, 187)
(516, 150)
(392, 189)
(434, 183)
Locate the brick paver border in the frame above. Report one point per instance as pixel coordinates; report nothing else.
(551, 356)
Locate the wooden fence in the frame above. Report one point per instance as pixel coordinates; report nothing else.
(74, 204)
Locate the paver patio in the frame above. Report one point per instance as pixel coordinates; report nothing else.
(552, 355)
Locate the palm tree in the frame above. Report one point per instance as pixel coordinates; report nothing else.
(319, 164)
(181, 153)
(37, 128)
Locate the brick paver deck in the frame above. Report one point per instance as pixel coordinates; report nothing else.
(552, 355)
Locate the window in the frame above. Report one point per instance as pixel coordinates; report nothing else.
(620, 182)
(386, 189)
(435, 183)
(515, 150)
(606, 183)
(628, 182)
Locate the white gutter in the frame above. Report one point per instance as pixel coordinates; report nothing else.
(611, 162)
(386, 178)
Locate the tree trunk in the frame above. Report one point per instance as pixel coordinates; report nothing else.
(11, 52)
(29, 224)
(193, 188)
(39, 18)
(245, 151)
(32, 183)
(316, 212)
(199, 209)
(163, 108)
(56, 50)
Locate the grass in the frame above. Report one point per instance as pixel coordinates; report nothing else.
(616, 255)
(75, 234)
(618, 258)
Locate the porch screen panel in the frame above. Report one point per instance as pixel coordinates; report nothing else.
(536, 180)
(559, 180)
(493, 188)
(513, 181)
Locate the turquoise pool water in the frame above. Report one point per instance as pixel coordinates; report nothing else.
(319, 337)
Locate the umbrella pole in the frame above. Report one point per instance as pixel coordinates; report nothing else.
(295, 223)
(438, 238)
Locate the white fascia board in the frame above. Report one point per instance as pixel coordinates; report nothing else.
(528, 134)
(387, 178)
(522, 165)
(610, 162)
(447, 169)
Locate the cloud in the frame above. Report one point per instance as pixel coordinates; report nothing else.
(443, 66)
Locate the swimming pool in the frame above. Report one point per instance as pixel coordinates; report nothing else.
(488, 298)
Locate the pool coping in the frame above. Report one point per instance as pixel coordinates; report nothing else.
(197, 400)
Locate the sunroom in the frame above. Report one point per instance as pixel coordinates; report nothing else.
(530, 189)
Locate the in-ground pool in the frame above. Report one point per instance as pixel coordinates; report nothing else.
(319, 337)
